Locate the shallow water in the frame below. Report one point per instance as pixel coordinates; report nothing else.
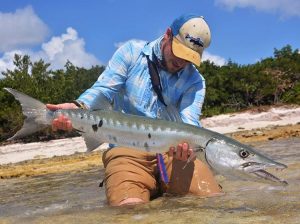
(76, 198)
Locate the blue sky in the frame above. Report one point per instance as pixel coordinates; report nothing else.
(87, 32)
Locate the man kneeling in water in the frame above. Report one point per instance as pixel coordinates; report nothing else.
(143, 78)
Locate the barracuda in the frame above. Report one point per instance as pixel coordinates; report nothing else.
(225, 155)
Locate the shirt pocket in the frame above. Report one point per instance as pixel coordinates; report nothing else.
(139, 89)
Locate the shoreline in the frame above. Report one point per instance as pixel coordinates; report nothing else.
(68, 155)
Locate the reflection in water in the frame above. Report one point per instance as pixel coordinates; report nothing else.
(74, 198)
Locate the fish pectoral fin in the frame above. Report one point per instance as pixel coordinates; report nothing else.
(91, 142)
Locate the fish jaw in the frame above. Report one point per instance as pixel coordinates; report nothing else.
(259, 171)
(235, 160)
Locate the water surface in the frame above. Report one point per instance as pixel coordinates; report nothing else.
(77, 198)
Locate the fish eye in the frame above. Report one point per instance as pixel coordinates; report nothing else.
(244, 154)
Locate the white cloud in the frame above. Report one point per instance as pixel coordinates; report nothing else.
(56, 44)
(213, 58)
(6, 62)
(70, 47)
(57, 52)
(285, 8)
(21, 29)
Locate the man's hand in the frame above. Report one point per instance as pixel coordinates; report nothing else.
(182, 152)
(61, 122)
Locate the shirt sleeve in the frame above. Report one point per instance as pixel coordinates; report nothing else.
(111, 81)
(191, 104)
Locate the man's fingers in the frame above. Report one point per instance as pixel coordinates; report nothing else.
(61, 106)
(69, 125)
(178, 151)
(192, 155)
(184, 153)
(190, 152)
(181, 152)
(62, 123)
(54, 124)
(61, 118)
(171, 151)
(52, 106)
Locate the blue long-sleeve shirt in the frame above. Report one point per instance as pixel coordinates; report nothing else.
(126, 82)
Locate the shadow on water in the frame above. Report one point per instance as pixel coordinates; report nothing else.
(77, 198)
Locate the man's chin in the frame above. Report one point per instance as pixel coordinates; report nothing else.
(173, 70)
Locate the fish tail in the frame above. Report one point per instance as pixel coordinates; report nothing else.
(35, 113)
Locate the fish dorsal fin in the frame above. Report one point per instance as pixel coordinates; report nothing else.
(91, 142)
(170, 113)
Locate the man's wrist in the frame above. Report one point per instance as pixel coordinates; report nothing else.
(79, 104)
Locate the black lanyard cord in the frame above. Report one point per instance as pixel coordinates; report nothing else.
(155, 80)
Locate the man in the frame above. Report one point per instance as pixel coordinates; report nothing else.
(132, 176)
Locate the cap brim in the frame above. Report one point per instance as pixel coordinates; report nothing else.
(181, 51)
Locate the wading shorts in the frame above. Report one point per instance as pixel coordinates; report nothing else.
(130, 173)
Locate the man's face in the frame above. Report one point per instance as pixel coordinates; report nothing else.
(171, 62)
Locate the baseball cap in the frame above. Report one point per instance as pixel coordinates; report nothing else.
(191, 35)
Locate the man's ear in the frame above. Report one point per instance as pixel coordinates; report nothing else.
(168, 34)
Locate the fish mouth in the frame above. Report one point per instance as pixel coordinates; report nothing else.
(258, 169)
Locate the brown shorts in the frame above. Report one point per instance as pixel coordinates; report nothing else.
(130, 173)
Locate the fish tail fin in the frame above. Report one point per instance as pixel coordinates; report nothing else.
(35, 113)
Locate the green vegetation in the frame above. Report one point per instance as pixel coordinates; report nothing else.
(229, 88)
(40, 82)
(233, 87)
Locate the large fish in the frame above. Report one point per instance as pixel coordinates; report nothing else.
(225, 155)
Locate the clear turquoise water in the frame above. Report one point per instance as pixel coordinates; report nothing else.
(76, 198)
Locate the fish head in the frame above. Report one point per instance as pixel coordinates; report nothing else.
(235, 160)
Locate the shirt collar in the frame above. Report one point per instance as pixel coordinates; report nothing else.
(153, 46)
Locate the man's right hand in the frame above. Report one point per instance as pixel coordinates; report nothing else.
(61, 122)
